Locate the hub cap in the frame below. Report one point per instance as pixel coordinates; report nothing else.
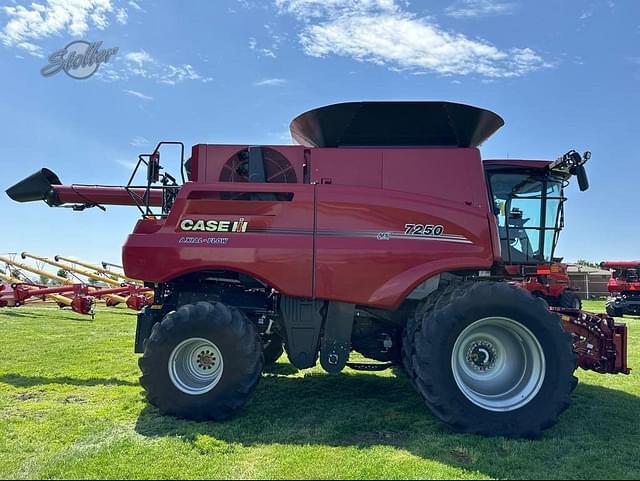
(498, 364)
(196, 366)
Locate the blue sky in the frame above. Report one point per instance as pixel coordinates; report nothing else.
(563, 74)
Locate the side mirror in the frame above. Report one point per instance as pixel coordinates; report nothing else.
(153, 168)
(583, 179)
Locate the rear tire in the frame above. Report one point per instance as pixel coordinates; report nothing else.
(614, 311)
(202, 362)
(569, 300)
(493, 360)
(414, 324)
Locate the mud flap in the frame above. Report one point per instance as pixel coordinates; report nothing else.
(302, 323)
(336, 341)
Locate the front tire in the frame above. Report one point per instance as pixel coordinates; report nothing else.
(614, 311)
(202, 362)
(493, 360)
(570, 300)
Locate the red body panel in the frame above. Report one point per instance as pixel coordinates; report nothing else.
(620, 265)
(278, 250)
(625, 279)
(622, 285)
(354, 211)
(549, 281)
(619, 285)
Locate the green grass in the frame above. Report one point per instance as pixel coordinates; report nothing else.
(71, 407)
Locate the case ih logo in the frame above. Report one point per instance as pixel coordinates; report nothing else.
(79, 60)
(199, 225)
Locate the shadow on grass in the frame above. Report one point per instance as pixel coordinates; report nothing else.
(363, 410)
(58, 314)
(17, 380)
(280, 369)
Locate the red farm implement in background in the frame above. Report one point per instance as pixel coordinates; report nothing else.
(71, 291)
(551, 283)
(624, 287)
(7, 298)
(382, 232)
(66, 294)
(133, 295)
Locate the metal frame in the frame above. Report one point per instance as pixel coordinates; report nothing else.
(169, 183)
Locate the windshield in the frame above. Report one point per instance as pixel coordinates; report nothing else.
(529, 214)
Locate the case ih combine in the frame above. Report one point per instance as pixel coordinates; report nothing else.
(382, 232)
(551, 283)
(624, 287)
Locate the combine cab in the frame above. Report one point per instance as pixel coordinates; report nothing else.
(381, 232)
(624, 287)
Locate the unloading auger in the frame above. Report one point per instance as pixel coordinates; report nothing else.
(100, 270)
(66, 293)
(7, 299)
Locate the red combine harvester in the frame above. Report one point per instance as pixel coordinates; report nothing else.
(382, 232)
(624, 287)
(551, 283)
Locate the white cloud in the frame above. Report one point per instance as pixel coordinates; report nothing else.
(128, 164)
(174, 74)
(122, 16)
(107, 73)
(264, 52)
(275, 38)
(586, 14)
(28, 24)
(30, 48)
(136, 6)
(142, 64)
(139, 141)
(270, 82)
(135, 93)
(381, 32)
(480, 8)
(322, 8)
(141, 57)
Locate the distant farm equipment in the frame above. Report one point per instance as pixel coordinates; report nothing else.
(624, 287)
(77, 284)
(551, 283)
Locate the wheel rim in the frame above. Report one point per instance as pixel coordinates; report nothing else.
(498, 364)
(196, 366)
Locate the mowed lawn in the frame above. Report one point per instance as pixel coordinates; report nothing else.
(71, 407)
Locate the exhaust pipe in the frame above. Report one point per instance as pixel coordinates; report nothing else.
(38, 186)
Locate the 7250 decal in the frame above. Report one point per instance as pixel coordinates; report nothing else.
(424, 229)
